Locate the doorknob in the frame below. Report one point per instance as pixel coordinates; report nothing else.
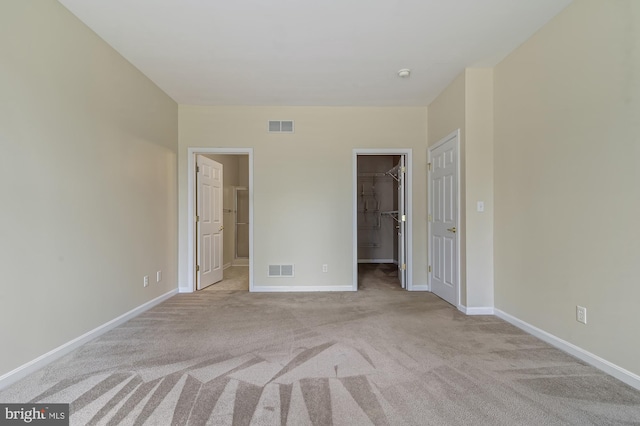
(452, 229)
(222, 227)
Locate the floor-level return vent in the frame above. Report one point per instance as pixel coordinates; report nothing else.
(280, 126)
(281, 270)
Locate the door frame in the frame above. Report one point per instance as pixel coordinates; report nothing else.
(407, 152)
(453, 135)
(191, 212)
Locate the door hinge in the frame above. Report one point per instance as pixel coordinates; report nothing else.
(197, 169)
(404, 267)
(403, 169)
(429, 166)
(197, 268)
(430, 218)
(197, 218)
(404, 218)
(429, 268)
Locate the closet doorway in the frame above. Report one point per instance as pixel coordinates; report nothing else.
(382, 219)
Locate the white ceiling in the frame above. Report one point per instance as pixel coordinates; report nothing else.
(311, 52)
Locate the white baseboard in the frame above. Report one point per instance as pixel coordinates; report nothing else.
(32, 366)
(420, 287)
(481, 310)
(226, 266)
(240, 262)
(377, 261)
(610, 368)
(299, 288)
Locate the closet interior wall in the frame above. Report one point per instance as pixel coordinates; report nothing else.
(377, 202)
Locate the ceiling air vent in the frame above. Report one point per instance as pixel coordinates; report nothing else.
(280, 126)
(280, 270)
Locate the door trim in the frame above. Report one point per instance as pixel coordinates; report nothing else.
(191, 181)
(453, 135)
(409, 202)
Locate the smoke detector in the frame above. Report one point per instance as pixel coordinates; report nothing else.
(404, 73)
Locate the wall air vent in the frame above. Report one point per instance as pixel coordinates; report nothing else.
(280, 271)
(280, 126)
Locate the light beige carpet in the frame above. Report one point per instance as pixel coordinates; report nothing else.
(376, 357)
(235, 278)
(378, 276)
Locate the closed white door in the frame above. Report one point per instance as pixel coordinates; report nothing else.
(209, 222)
(402, 222)
(443, 224)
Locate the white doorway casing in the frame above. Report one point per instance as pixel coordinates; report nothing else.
(191, 212)
(443, 232)
(402, 229)
(409, 196)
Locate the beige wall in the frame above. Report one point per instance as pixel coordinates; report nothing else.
(479, 186)
(467, 104)
(447, 111)
(303, 182)
(87, 182)
(567, 149)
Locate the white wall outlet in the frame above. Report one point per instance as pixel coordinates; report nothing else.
(325, 268)
(480, 206)
(581, 314)
(146, 280)
(158, 276)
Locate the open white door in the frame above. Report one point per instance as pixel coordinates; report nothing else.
(402, 225)
(209, 222)
(443, 231)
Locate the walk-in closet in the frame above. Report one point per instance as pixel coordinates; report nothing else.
(380, 221)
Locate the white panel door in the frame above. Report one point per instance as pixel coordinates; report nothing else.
(210, 225)
(443, 227)
(402, 223)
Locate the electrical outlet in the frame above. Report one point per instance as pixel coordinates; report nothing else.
(158, 276)
(581, 314)
(146, 280)
(325, 268)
